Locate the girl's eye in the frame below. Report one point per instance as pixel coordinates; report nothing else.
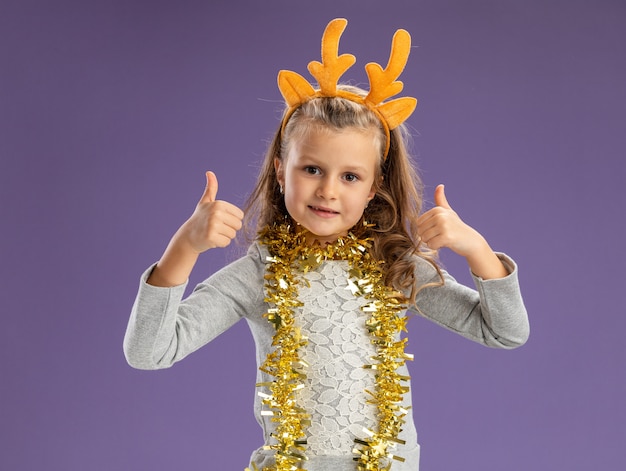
(311, 170)
(351, 177)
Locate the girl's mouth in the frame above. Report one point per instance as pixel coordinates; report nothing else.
(323, 212)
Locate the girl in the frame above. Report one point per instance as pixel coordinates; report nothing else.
(341, 251)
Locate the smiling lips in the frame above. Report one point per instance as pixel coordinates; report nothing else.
(323, 212)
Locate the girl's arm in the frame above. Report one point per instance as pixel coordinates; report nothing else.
(164, 328)
(212, 224)
(493, 314)
(442, 227)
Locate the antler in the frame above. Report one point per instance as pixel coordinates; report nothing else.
(333, 65)
(383, 83)
(295, 88)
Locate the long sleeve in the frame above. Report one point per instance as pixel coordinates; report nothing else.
(164, 329)
(494, 314)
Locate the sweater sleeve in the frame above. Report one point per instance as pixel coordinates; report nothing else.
(494, 314)
(163, 328)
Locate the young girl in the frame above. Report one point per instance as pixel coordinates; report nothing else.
(341, 252)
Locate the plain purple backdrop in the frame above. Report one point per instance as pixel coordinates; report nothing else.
(111, 111)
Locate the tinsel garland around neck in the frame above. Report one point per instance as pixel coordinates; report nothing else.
(290, 257)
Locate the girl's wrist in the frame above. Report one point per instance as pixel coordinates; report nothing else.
(175, 265)
(484, 263)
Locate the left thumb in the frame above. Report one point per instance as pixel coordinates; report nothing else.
(440, 197)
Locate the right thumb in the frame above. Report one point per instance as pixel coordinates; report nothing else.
(210, 191)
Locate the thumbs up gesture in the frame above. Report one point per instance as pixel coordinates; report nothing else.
(214, 223)
(442, 227)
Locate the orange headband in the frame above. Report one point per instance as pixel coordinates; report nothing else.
(383, 84)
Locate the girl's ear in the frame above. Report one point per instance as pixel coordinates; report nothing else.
(372, 193)
(280, 173)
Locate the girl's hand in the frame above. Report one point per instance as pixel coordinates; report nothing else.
(442, 227)
(214, 223)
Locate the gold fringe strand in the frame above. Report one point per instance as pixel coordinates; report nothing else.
(290, 256)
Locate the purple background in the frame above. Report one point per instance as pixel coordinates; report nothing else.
(111, 111)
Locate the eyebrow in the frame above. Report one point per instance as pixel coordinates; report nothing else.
(306, 158)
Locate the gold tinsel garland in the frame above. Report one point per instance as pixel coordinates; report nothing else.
(291, 256)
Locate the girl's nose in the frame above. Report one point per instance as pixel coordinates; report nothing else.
(327, 189)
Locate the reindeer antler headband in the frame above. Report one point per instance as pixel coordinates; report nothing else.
(383, 84)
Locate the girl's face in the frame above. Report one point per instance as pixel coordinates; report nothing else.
(328, 179)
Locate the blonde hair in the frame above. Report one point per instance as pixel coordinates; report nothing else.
(393, 211)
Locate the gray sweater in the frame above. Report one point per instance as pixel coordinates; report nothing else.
(163, 329)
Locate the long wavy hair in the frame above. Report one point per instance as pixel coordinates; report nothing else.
(393, 211)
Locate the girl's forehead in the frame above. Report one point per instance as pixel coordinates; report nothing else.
(322, 138)
(348, 149)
